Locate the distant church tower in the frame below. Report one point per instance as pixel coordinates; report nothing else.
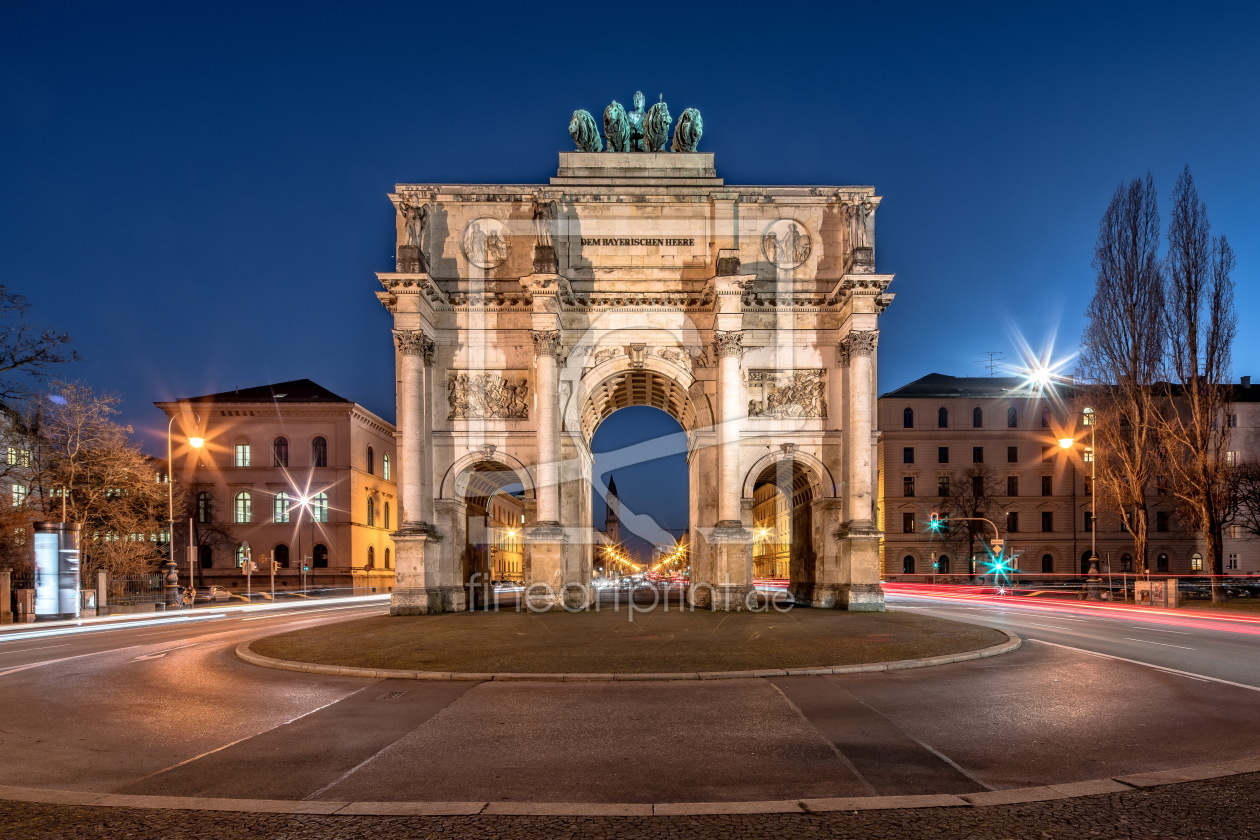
(612, 520)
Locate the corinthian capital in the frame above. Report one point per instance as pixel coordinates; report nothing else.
(857, 343)
(546, 342)
(729, 343)
(412, 342)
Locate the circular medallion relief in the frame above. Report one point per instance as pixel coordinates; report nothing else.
(786, 243)
(485, 242)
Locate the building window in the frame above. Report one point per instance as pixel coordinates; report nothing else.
(280, 452)
(907, 418)
(1161, 520)
(388, 561)
(1161, 563)
(1089, 522)
(1231, 562)
(319, 556)
(1161, 485)
(977, 454)
(907, 523)
(1012, 418)
(907, 455)
(319, 507)
(371, 514)
(280, 554)
(1233, 532)
(942, 564)
(1088, 455)
(20, 494)
(242, 556)
(1047, 520)
(371, 461)
(942, 485)
(1126, 562)
(1231, 458)
(1045, 418)
(1196, 562)
(280, 508)
(242, 455)
(907, 564)
(1047, 564)
(1231, 421)
(203, 507)
(205, 556)
(942, 418)
(907, 485)
(1012, 454)
(977, 418)
(371, 558)
(977, 486)
(942, 454)
(387, 520)
(1012, 485)
(242, 508)
(385, 471)
(1047, 485)
(1012, 522)
(319, 452)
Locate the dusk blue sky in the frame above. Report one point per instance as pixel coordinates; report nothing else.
(197, 193)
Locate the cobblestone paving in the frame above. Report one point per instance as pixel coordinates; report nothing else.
(1220, 808)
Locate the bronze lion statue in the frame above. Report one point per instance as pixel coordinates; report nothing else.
(687, 132)
(616, 127)
(656, 127)
(585, 132)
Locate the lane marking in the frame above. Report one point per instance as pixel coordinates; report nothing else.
(159, 654)
(1157, 630)
(308, 612)
(41, 647)
(1051, 626)
(1201, 677)
(1161, 644)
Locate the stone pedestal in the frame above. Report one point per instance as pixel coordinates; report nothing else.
(545, 587)
(859, 567)
(415, 590)
(730, 544)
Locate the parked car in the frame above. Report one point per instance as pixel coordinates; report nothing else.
(213, 593)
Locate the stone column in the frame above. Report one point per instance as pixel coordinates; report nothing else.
(858, 585)
(545, 540)
(415, 584)
(731, 542)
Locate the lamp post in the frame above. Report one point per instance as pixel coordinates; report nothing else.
(172, 576)
(1067, 443)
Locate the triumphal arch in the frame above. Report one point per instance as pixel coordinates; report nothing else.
(525, 314)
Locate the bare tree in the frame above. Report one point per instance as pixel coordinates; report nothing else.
(1121, 353)
(25, 349)
(1200, 323)
(972, 495)
(1246, 482)
(108, 484)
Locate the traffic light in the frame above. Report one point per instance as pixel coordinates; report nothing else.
(934, 524)
(306, 568)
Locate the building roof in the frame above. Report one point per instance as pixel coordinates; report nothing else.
(296, 391)
(941, 385)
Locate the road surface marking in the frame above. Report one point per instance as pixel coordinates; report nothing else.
(1051, 626)
(1149, 665)
(308, 612)
(1161, 644)
(162, 653)
(41, 647)
(1156, 629)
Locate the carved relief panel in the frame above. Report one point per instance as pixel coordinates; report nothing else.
(486, 396)
(787, 393)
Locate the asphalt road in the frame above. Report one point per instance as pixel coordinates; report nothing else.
(155, 708)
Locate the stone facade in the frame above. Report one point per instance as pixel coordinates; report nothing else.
(525, 314)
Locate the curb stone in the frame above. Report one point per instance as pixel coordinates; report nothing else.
(243, 653)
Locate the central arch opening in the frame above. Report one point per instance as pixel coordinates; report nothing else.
(640, 498)
(495, 515)
(783, 545)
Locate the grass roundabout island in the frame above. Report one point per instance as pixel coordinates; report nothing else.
(621, 641)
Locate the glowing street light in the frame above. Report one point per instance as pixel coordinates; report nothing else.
(172, 577)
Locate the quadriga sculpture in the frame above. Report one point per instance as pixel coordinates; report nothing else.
(585, 132)
(656, 127)
(616, 127)
(687, 132)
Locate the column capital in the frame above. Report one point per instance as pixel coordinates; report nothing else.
(415, 343)
(857, 343)
(546, 342)
(728, 343)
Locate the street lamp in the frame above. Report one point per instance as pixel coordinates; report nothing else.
(172, 577)
(1088, 417)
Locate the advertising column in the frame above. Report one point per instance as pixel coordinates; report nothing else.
(56, 570)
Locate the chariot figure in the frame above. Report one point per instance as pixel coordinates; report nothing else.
(635, 119)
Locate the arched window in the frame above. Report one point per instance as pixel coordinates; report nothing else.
(319, 507)
(280, 452)
(387, 518)
(280, 508)
(206, 555)
(281, 555)
(387, 559)
(241, 454)
(977, 418)
(371, 514)
(1161, 563)
(942, 418)
(371, 461)
(1047, 564)
(942, 564)
(241, 556)
(243, 508)
(1126, 562)
(385, 466)
(319, 452)
(907, 418)
(203, 507)
(1196, 562)
(907, 565)
(319, 556)
(1012, 418)
(371, 561)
